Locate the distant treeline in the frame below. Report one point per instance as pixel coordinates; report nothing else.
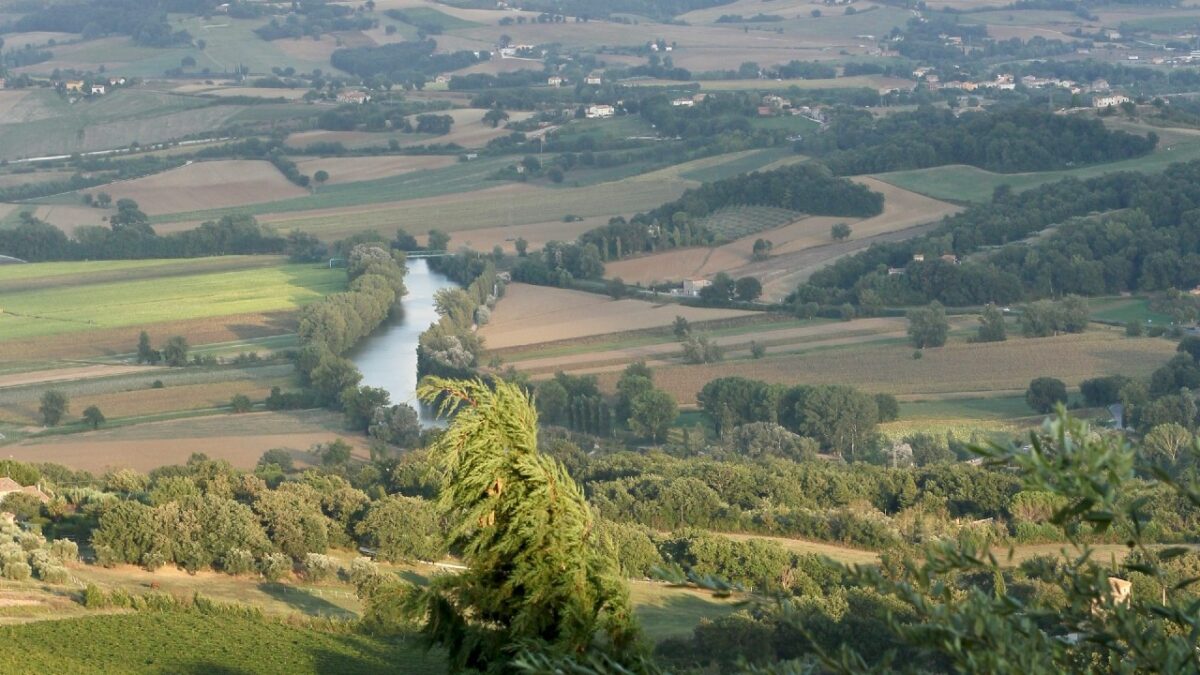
(406, 63)
(451, 347)
(804, 188)
(143, 20)
(312, 19)
(131, 237)
(1152, 244)
(655, 9)
(1019, 139)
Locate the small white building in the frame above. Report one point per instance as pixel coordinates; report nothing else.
(594, 79)
(1106, 101)
(683, 102)
(600, 111)
(554, 81)
(98, 90)
(692, 287)
(356, 97)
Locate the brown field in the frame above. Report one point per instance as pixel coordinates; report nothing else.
(353, 169)
(499, 65)
(260, 92)
(14, 179)
(207, 185)
(239, 439)
(468, 131)
(537, 234)
(800, 247)
(148, 401)
(822, 335)
(67, 374)
(67, 218)
(957, 367)
(113, 341)
(535, 314)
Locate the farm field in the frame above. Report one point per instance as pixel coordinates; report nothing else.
(48, 124)
(535, 314)
(468, 131)
(194, 642)
(970, 184)
(14, 278)
(356, 169)
(238, 439)
(957, 368)
(116, 304)
(800, 247)
(206, 185)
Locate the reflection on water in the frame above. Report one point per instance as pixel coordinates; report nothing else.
(388, 358)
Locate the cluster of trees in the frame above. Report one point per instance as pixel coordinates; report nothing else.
(1010, 140)
(451, 347)
(575, 401)
(130, 236)
(559, 264)
(840, 418)
(314, 18)
(1149, 242)
(405, 63)
(174, 353)
(802, 187)
(145, 22)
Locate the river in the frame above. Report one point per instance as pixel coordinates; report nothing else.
(388, 357)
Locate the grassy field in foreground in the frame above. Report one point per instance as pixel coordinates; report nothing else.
(970, 184)
(73, 309)
(15, 278)
(191, 642)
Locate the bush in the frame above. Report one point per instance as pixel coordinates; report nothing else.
(17, 571)
(106, 556)
(94, 598)
(32, 542)
(64, 550)
(275, 566)
(1044, 393)
(55, 574)
(238, 561)
(319, 567)
(365, 576)
(153, 561)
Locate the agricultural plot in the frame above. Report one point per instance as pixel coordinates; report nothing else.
(356, 169)
(16, 278)
(194, 642)
(536, 314)
(958, 368)
(736, 222)
(206, 185)
(969, 184)
(119, 304)
(238, 439)
(51, 125)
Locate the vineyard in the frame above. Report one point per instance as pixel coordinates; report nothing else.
(735, 222)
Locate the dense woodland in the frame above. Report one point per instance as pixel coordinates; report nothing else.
(1147, 243)
(1018, 139)
(406, 63)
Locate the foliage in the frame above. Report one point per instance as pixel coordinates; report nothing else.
(1045, 393)
(403, 528)
(525, 532)
(54, 405)
(927, 326)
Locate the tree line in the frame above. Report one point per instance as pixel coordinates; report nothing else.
(803, 188)
(407, 63)
(1017, 139)
(1147, 243)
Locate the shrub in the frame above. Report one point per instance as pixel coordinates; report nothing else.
(238, 561)
(55, 574)
(32, 542)
(17, 571)
(275, 566)
(319, 567)
(11, 552)
(106, 556)
(365, 576)
(153, 560)
(94, 598)
(64, 550)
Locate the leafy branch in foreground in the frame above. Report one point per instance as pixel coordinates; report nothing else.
(537, 579)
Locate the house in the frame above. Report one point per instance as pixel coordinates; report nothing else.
(554, 81)
(355, 97)
(683, 102)
(692, 287)
(950, 258)
(1106, 101)
(1100, 85)
(441, 79)
(766, 111)
(593, 79)
(918, 257)
(116, 81)
(600, 111)
(98, 90)
(9, 486)
(776, 102)
(73, 85)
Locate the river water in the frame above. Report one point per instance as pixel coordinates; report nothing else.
(388, 357)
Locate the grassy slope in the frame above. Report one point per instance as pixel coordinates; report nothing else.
(190, 642)
(970, 184)
(144, 301)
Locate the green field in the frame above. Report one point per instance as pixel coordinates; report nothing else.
(56, 126)
(184, 642)
(1123, 310)
(69, 309)
(741, 163)
(428, 16)
(970, 184)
